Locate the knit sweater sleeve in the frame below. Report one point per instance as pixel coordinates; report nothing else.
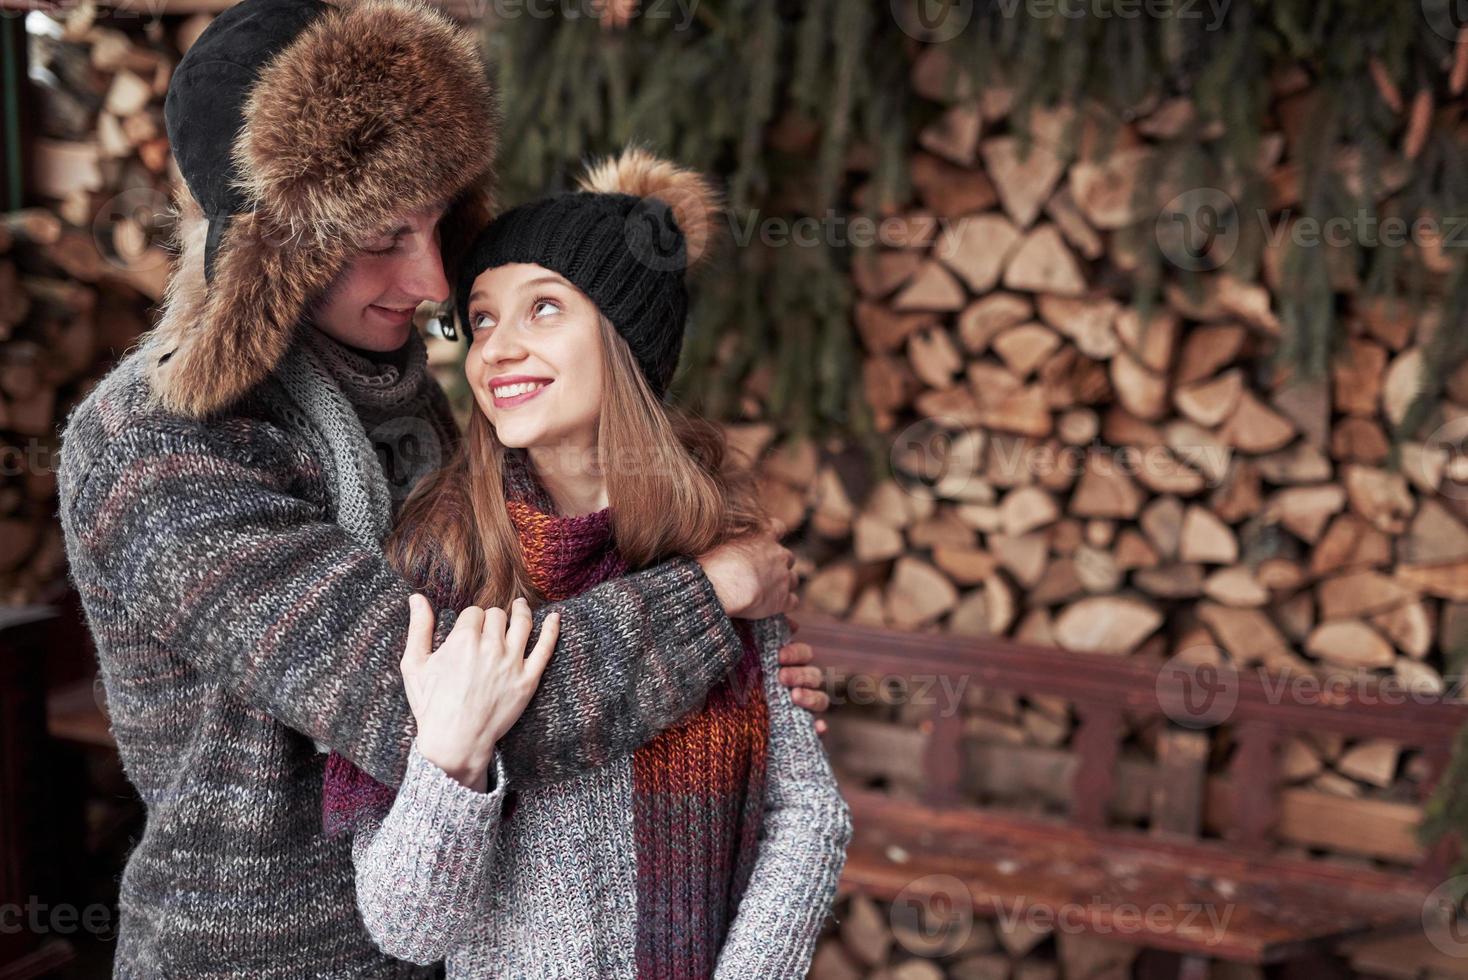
(423, 868)
(202, 531)
(802, 849)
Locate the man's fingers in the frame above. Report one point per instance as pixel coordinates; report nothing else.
(800, 677)
(796, 654)
(821, 726)
(518, 633)
(545, 644)
(812, 701)
(420, 630)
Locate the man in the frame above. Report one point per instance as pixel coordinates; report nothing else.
(223, 504)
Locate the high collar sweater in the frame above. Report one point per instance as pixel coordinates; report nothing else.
(714, 851)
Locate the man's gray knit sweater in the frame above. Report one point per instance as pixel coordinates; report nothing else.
(242, 610)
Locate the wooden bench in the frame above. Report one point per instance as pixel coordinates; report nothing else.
(1233, 897)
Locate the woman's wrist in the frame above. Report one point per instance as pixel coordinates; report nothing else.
(468, 770)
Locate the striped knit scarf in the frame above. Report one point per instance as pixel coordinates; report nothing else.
(697, 787)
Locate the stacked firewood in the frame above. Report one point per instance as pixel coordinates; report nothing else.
(79, 273)
(923, 940)
(1073, 466)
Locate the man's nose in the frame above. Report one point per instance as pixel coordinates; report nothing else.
(422, 276)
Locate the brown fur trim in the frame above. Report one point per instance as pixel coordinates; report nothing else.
(695, 202)
(379, 109)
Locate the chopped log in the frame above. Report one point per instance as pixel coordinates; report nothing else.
(1349, 543)
(1409, 627)
(1105, 490)
(887, 384)
(1425, 466)
(933, 357)
(1162, 522)
(1141, 392)
(1072, 224)
(1449, 581)
(1249, 301)
(1105, 190)
(865, 933)
(1161, 472)
(978, 247)
(127, 95)
(918, 594)
(1299, 760)
(1209, 403)
(1379, 496)
(1305, 511)
(986, 318)
(1300, 463)
(1404, 381)
(830, 590)
(966, 566)
(1134, 551)
(1200, 449)
(1247, 634)
(952, 407)
(1025, 556)
(883, 331)
(1358, 440)
(949, 191)
(876, 273)
(1350, 643)
(1418, 678)
(1307, 405)
(1152, 342)
(60, 169)
(933, 288)
(1372, 760)
(1023, 412)
(971, 616)
(832, 508)
(875, 540)
(1042, 263)
(1106, 624)
(1060, 583)
(1024, 175)
(1433, 537)
(1001, 603)
(1358, 594)
(1236, 587)
(1357, 374)
(954, 136)
(1256, 428)
(1024, 348)
(1096, 569)
(1026, 509)
(1086, 321)
(1172, 581)
(1206, 349)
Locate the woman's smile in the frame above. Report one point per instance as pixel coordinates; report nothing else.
(511, 390)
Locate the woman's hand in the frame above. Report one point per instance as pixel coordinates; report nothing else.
(469, 692)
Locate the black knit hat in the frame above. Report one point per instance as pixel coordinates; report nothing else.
(626, 241)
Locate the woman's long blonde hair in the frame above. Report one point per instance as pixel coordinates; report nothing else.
(672, 484)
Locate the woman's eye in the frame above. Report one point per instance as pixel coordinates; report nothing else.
(481, 321)
(545, 304)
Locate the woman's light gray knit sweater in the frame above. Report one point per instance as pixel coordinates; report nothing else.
(552, 892)
(241, 606)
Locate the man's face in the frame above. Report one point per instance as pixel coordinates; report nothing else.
(370, 304)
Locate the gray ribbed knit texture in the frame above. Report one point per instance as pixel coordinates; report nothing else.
(236, 621)
(552, 892)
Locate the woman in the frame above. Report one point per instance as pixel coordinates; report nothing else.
(715, 849)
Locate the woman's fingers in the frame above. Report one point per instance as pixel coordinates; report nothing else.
(518, 633)
(492, 633)
(420, 631)
(470, 621)
(545, 645)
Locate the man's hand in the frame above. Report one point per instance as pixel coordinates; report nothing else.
(753, 576)
(803, 680)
